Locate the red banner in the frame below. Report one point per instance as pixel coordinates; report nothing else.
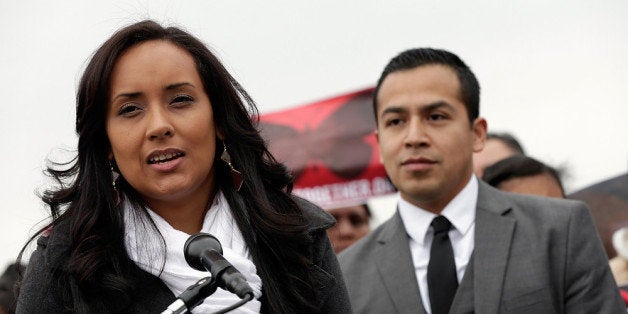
(331, 149)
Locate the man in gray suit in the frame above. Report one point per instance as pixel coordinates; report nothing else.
(502, 252)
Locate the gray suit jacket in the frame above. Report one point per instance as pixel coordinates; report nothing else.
(532, 255)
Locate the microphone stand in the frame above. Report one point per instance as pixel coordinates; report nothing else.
(192, 296)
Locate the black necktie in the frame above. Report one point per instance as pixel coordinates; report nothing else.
(442, 281)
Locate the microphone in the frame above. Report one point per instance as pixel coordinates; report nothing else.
(203, 252)
(192, 296)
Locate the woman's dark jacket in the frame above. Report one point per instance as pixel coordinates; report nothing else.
(38, 294)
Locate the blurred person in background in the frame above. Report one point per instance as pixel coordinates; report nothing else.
(7, 285)
(608, 201)
(497, 147)
(352, 223)
(619, 263)
(524, 175)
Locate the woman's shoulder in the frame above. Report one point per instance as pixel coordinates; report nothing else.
(317, 218)
(39, 291)
(57, 235)
(53, 245)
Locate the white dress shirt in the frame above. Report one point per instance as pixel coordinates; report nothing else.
(461, 213)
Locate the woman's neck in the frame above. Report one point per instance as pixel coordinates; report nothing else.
(185, 215)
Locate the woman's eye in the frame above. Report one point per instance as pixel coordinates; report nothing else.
(128, 110)
(181, 100)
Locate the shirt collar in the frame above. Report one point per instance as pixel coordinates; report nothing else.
(460, 211)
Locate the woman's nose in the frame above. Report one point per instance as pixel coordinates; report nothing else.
(159, 126)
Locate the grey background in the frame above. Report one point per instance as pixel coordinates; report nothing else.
(551, 73)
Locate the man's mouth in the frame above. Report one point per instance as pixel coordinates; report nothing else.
(419, 160)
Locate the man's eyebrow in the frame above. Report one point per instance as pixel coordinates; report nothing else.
(426, 108)
(437, 105)
(393, 109)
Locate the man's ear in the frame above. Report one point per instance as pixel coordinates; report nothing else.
(381, 159)
(480, 128)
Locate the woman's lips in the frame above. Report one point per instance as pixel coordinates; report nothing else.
(163, 156)
(165, 160)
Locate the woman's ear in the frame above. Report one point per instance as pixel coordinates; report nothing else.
(219, 135)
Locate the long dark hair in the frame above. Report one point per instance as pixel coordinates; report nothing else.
(272, 224)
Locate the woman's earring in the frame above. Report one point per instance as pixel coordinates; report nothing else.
(114, 176)
(236, 175)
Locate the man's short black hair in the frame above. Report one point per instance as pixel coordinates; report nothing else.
(412, 58)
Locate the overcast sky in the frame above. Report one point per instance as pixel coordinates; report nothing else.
(554, 74)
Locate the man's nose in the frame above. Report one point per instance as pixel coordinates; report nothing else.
(416, 134)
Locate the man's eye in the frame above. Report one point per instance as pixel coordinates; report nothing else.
(393, 122)
(436, 116)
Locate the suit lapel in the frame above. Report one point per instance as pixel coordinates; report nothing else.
(493, 237)
(396, 269)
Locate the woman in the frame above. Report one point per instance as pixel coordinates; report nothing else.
(167, 149)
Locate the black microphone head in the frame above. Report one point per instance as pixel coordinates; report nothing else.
(198, 243)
